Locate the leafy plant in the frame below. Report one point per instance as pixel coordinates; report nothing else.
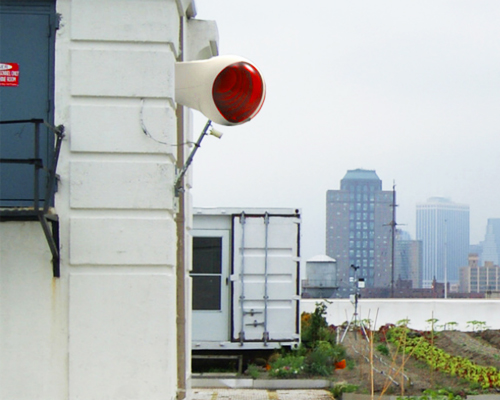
(322, 359)
(439, 360)
(477, 326)
(318, 354)
(314, 327)
(450, 326)
(382, 348)
(253, 370)
(287, 366)
(343, 387)
(430, 394)
(432, 322)
(403, 322)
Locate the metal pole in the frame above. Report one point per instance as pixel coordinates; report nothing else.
(36, 167)
(393, 234)
(178, 180)
(445, 259)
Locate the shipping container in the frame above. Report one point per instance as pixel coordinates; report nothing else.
(246, 278)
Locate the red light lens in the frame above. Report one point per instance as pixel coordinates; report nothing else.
(238, 92)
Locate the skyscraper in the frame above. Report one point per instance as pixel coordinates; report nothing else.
(491, 244)
(358, 229)
(443, 228)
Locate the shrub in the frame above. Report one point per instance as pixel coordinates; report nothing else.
(382, 348)
(318, 352)
(287, 366)
(342, 387)
(253, 370)
(313, 324)
(322, 359)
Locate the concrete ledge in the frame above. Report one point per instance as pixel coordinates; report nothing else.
(291, 384)
(354, 396)
(273, 384)
(484, 397)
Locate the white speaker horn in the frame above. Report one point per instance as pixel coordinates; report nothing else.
(229, 90)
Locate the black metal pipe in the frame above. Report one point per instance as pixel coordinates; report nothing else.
(52, 171)
(23, 121)
(36, 167)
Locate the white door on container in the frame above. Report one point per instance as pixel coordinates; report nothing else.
(265, 283)
(210, 274)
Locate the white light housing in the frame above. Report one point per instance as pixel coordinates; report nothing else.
(228, 90)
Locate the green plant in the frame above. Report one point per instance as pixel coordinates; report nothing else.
(314, 327)
(253, 370)
(475, 386)
(431, 394)
(439, 360)
(450, 326)
(287, 366)
(477, 326)
(343, 387)
(382, 348)
(322, 358)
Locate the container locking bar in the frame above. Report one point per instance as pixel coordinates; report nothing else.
(266, 295)
(242, 279)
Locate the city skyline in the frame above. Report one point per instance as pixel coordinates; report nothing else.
(408, 89)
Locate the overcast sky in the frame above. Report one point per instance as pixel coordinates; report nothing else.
(410, 89)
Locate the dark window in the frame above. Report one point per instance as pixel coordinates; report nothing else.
(207, 273)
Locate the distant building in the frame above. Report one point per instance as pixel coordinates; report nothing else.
(443, 228)
(479, 279)
(477, 249)
(403, 290)
(491, 244)
(408, 259)
(357, 229)
(321, 279)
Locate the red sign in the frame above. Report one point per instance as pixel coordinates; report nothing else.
(9, 74)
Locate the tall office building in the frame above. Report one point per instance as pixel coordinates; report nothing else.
(491, 244)
(358, 229)
(443, 228)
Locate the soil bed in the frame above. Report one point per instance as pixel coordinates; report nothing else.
(481, 348)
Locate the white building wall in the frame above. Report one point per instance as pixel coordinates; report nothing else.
(116, 205)
(33, 317)
(106, 329)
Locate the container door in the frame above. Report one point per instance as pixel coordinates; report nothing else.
(210, 274)
(26, 91)
(265, 278)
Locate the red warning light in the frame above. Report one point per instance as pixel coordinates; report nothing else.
(238, 92)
